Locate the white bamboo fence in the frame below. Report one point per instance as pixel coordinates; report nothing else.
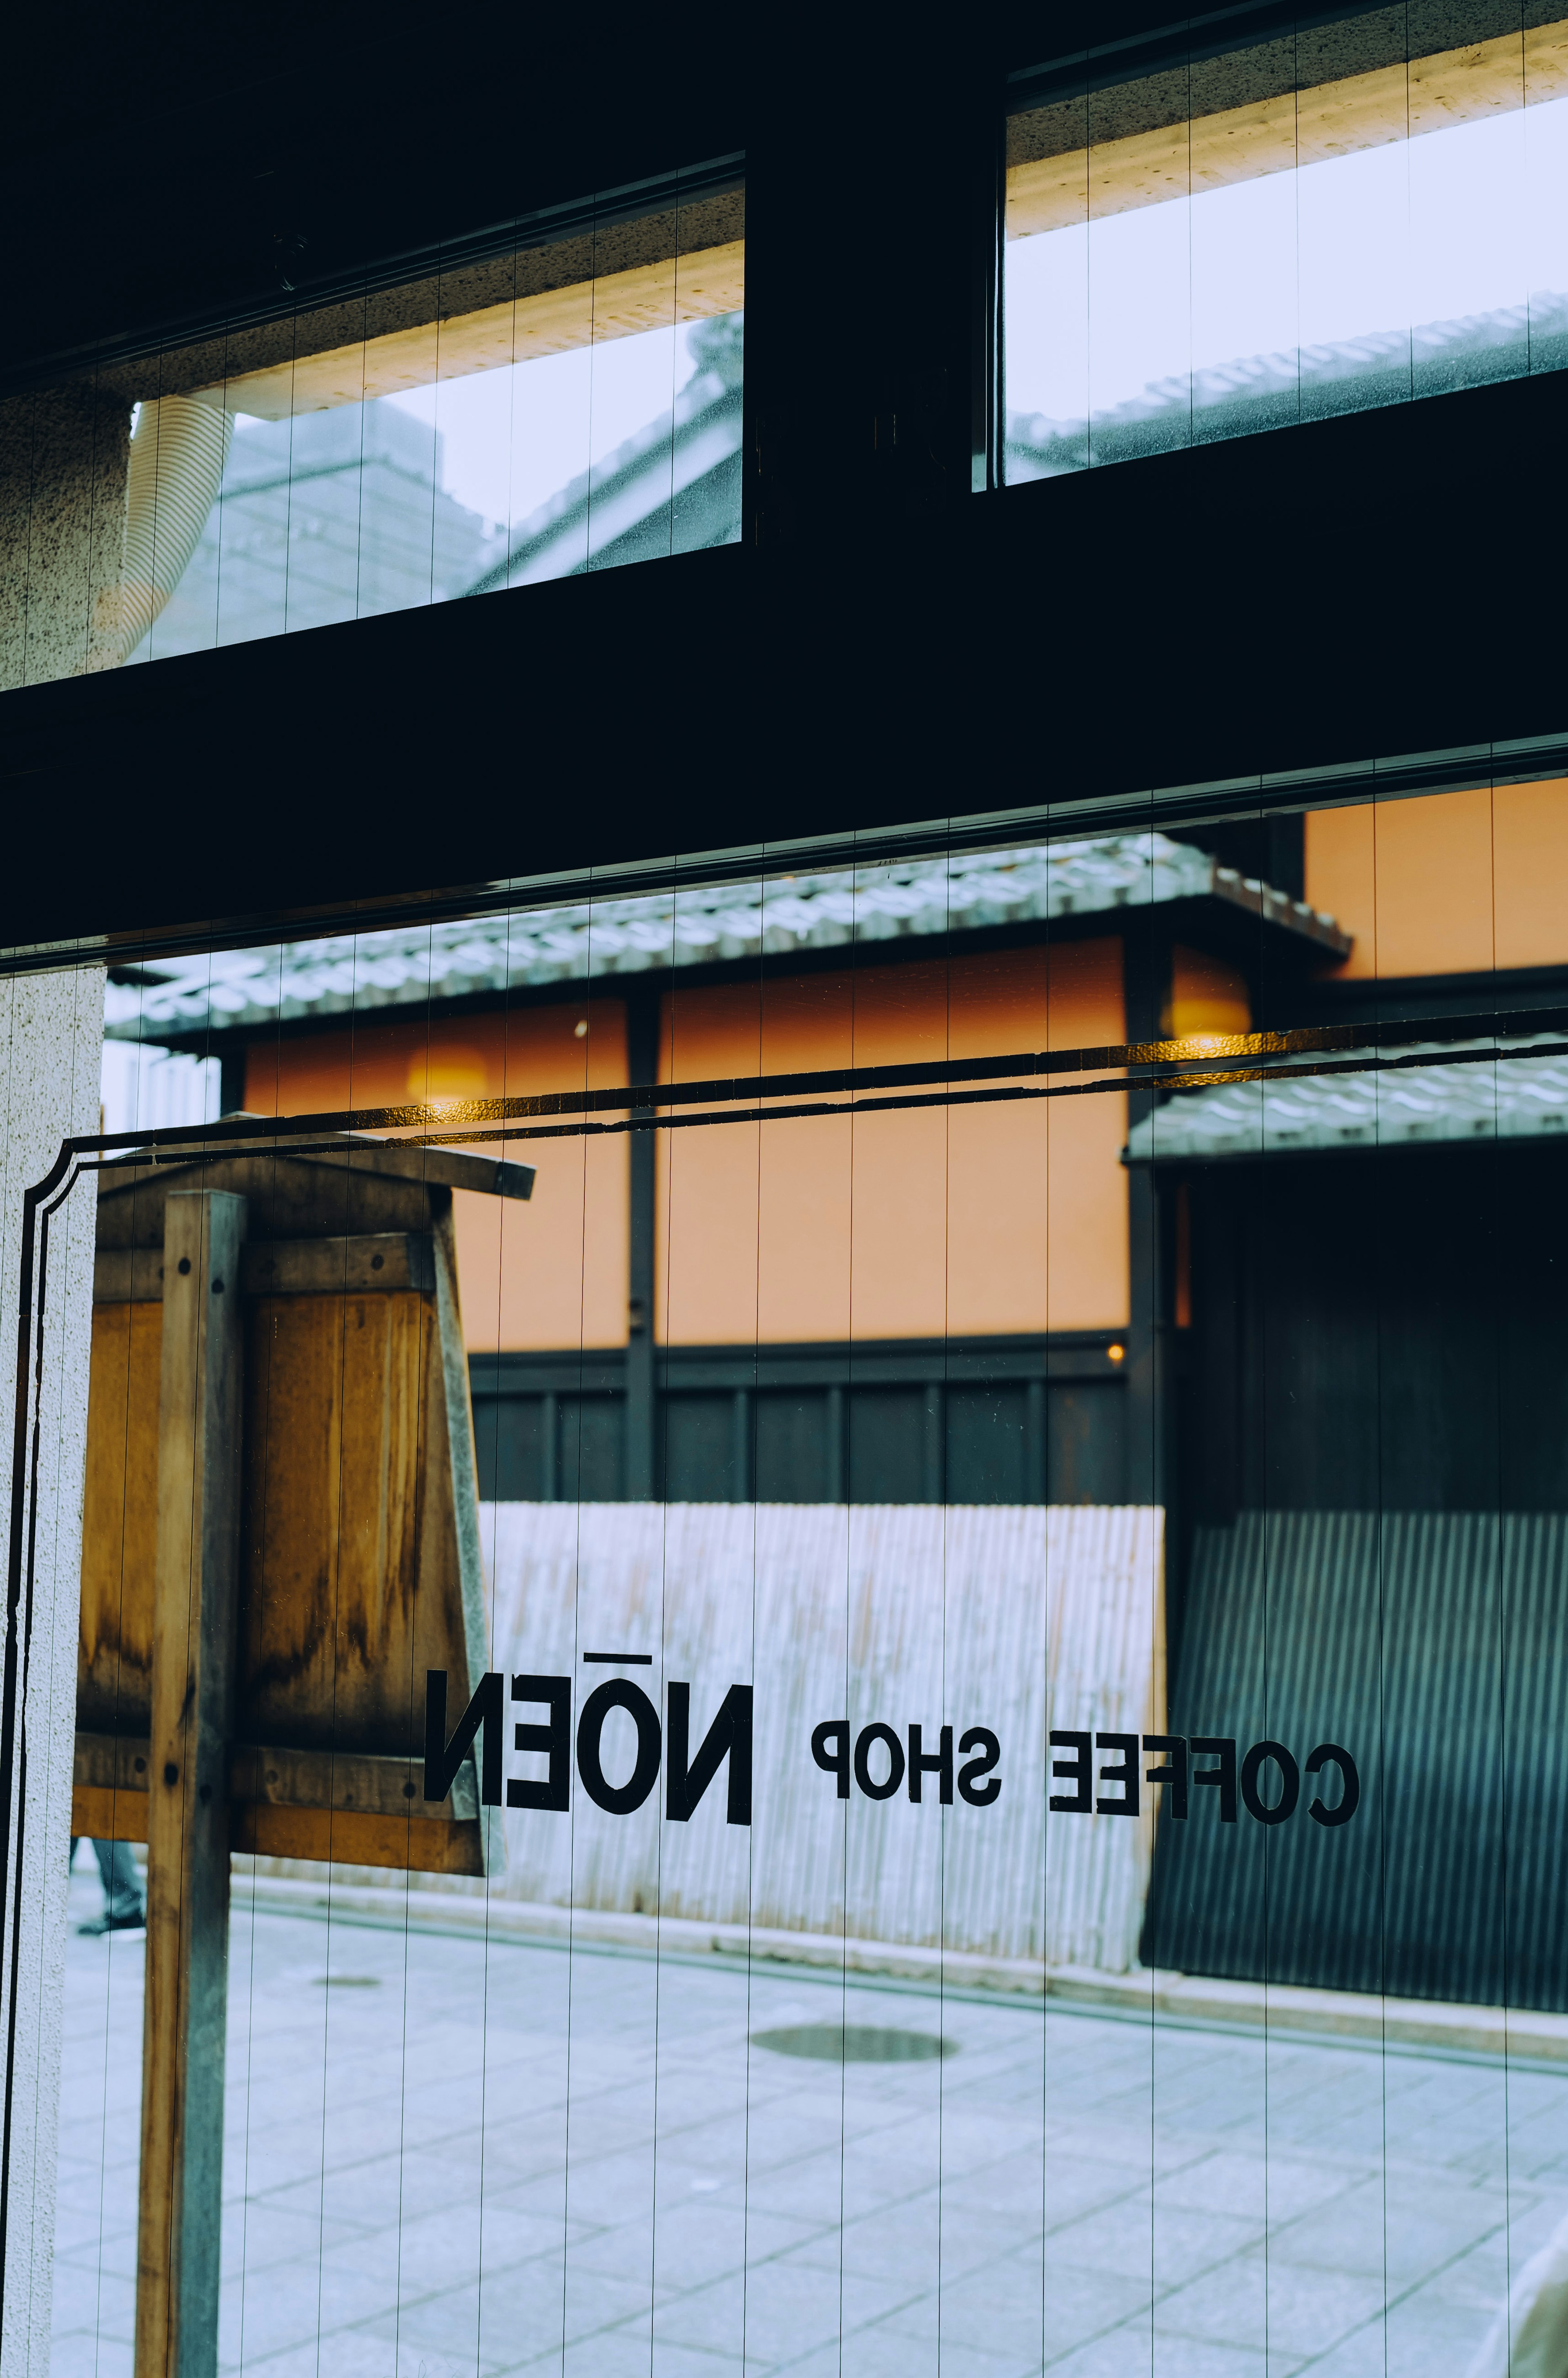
(1019, 1619)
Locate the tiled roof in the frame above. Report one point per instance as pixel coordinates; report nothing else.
(1516, 1096)
(586, 940)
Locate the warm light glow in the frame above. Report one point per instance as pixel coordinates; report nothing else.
(438, 1074)
(1115, 1353)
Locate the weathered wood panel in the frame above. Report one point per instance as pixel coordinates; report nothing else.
(120, 1519)
(360, 1566)
(349, 1586)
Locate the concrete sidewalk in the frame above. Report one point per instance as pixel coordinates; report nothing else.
(454, 2154)
(1279, 2009)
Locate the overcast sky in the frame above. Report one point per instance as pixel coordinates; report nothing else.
(511, 438)
(1460, 222)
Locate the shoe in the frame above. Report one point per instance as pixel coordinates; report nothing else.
(99, 1925)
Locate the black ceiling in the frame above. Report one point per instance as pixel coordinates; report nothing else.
(885, 646)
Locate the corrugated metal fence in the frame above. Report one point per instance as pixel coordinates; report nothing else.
(1430, 1645)
(972, 1616)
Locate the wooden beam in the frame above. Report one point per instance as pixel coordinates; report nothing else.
(374, 1262)
(371, 1262)
(285, 1778)
(1272, 135)
(194, 1600)
(436, 1845)
(128, 1276)
(613, 305)
(346, 1780)
(111, 1762)
(295, 1183)
(411, 1844)
(100, 1814)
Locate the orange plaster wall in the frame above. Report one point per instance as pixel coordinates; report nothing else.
(524, 1277)
(965, 1221)
(1454, 883)
(968, 1220)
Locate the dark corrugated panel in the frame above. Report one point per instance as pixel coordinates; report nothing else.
(1430, 1645)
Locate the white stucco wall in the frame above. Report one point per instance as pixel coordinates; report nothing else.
(51, 1032)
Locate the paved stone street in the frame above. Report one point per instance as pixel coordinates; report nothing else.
(448, 2159)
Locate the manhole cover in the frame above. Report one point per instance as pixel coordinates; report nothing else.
(834, 2043)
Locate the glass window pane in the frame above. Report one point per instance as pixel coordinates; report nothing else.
(558, 408)
(1277, 230)
(1016, 1545)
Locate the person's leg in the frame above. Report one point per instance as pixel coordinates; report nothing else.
(123, 1902)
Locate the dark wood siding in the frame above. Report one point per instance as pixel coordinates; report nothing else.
(1429, 1645)
(1011, 1422)
(1378, 1332)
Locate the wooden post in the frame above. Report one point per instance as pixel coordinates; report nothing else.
(196, 1600)
(643, 1437)
(1146, 964)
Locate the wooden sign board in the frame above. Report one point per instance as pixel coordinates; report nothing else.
(280, 1541)
(358, 1562)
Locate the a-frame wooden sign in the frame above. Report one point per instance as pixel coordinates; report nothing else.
(280, 1541)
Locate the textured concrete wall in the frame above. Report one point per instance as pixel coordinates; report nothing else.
(51, 1033)
(64, 461)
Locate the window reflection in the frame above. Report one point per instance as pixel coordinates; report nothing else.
(570, 408)
(1127, 1502)
(1239, 247)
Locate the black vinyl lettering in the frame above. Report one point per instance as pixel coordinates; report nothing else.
(938, 1763)
(442, 1759)
(866, 1741)
(1253, 1768)
(1072, 1770)
(1223, 1777)
(1329, 1754)
(554, 1739)
(1172, 1772)
(834, 1762)
(1125, 1774)
(619, 1799)
(978, 1795)
(729, 1736)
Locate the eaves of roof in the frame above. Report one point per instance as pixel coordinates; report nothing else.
(1480, 1092)
(872, 909)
